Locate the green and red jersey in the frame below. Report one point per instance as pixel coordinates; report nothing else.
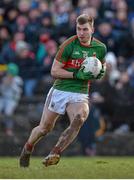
(72, 53)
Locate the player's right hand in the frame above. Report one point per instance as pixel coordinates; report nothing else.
(101, 74)
(83, 75)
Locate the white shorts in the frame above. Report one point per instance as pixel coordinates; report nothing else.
(57, 100)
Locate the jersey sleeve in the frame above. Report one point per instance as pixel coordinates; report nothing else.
(103, 50)
(64, 53)
(65, 50)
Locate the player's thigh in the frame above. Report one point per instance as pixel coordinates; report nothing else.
(79, 108)
(48, 117)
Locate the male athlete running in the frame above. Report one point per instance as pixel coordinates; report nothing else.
(69, 92)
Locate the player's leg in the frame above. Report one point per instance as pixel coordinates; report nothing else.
(78, 113)
(46, 125)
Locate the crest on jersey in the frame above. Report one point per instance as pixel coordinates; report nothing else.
(85, 54)
(94, 54)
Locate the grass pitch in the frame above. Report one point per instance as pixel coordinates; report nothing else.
(70, 168)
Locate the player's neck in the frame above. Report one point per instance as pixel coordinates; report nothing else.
(87, 43)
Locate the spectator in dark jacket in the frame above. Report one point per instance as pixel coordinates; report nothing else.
(28, 67)
(8, 52)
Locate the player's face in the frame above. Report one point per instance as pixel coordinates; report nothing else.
(84, 32)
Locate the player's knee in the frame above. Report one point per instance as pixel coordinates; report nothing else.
(46, 129)
(42, 131)
(81, 116)
(78, 120)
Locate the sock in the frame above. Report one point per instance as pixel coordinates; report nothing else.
(29, 147)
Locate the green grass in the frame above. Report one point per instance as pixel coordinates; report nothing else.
(70, 168)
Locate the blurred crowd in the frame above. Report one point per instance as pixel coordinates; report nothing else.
(32, 30)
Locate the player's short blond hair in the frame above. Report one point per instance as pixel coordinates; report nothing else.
(84, 18)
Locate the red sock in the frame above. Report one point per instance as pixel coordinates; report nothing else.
(29, 147)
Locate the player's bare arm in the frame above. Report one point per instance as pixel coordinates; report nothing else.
(58, 70)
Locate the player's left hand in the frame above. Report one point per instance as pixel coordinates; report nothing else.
(101, 74)
(80, 74)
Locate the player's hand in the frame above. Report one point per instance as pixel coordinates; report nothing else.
(101, 74)
(83, 75)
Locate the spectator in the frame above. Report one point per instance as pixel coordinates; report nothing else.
(61, 16)
(21, 23)
(47, 25)
(71, 28)
(4, 38)
(120, 23)
(51, 48)
(123, 102)
(8, 53)
(43, 6)
(106, 35)
(87, 135)
(10, 94)
(112, 68)
(11, 18)
(126, 52)
(103, 95)
(32, 28)
(24, 6)
(28, 66)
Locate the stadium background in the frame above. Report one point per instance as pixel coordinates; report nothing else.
(30, 33)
